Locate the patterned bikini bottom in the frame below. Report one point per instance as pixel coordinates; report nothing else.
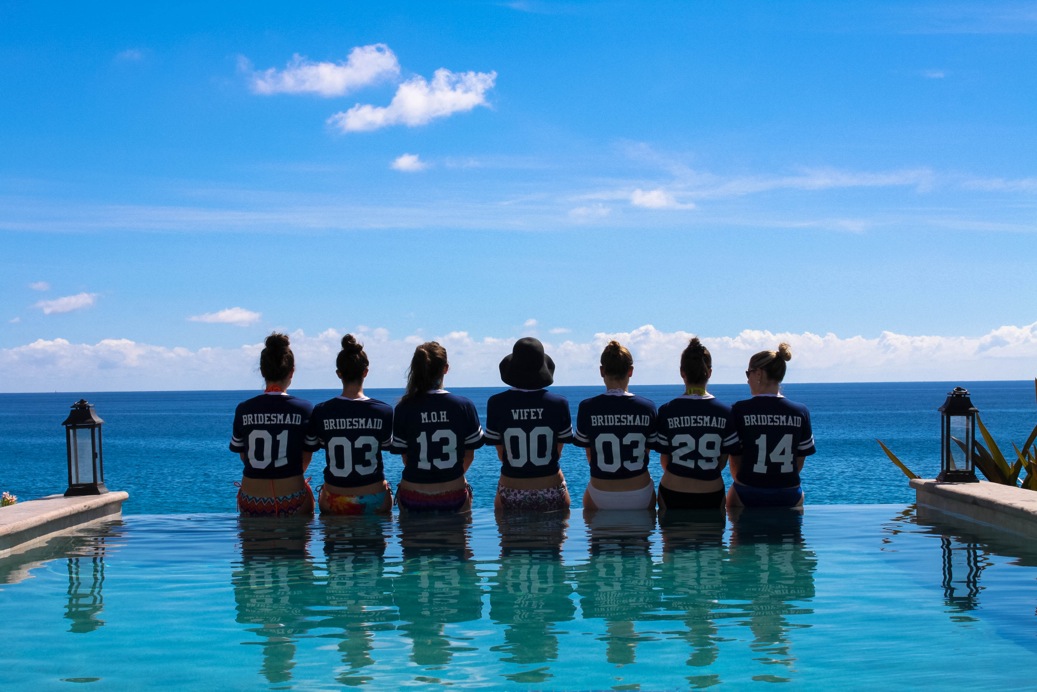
(450, 501)
(295, 504)
(351, 505)
(539, 500)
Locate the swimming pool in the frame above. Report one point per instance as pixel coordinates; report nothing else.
(859, 597)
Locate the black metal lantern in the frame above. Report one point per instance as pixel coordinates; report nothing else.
(85, 459)
(957, 438)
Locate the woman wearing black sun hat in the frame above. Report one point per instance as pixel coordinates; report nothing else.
(529, 426)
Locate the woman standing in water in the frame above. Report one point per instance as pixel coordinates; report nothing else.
(529, 426)
(617, 428)
(775, 436)
(353, 430)
(696, 434)
(269, 434)
(436, 433)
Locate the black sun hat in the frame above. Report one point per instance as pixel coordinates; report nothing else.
(527, 366)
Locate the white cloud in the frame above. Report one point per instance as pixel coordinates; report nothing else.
(656, 199)
(1024, 185)
(236, 316)
(530, 323)
(589, 213)
(366, 65)
(130, 55)
(409, 163)
(79, 301)
(39, 286)
(1007, 352)
(417, 102)
(560, 330)
(934, 74)
(14, 320)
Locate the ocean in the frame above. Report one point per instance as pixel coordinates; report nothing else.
(168, 450)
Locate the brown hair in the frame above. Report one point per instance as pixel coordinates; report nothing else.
(696, 362)
(772, 362)
(427, 368)
(352, 361)
(616, 360)
(277, 362)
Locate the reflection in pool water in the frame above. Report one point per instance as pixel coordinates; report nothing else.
(860, 597)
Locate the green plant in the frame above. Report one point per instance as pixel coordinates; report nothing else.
(893, 457)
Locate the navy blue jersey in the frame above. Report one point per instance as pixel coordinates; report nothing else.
(696, 431)
(773, 431)
(529, 425)
(270, 430)
(618, 429)
(435, 431)
(353, 433)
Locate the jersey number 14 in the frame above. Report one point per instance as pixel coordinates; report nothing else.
(781, 454)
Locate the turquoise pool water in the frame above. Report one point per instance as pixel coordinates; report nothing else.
(860, 597)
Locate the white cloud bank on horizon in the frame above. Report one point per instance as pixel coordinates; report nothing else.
(1005, 353)
(237, 316)
(80, 301)
(418, 102)
(365, 65)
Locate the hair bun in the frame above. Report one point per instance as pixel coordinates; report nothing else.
(349, 343)
(784, 352)
(695, 346)
(278, 342)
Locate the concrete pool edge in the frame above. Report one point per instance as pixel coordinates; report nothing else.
(1001, 506)
(26, 524)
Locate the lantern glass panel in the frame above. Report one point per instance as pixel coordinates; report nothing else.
(82, 456)
(961, 431)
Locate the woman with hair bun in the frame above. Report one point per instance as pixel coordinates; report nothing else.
(353, 430)
(696, 435)
(617, 428)
(529, 426)
(775, 436)
(436, 433)
(269, 435)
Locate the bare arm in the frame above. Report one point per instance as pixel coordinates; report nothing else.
(664, 461)
(735, 462)
(469, 455)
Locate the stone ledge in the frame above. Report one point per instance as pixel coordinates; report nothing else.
(25, 524)
(1001, 506)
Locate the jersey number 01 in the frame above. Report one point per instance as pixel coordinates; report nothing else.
(262, 450)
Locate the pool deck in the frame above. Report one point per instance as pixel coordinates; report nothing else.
(26, 524)
(1002, 506)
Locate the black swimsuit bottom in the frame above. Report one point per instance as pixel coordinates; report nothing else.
(678, 500)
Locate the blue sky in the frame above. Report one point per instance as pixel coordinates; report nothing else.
(859, 179)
